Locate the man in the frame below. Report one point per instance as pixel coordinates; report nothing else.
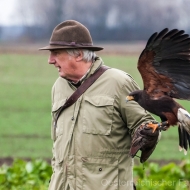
(92, 137)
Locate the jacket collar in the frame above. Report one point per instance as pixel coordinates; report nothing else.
(95, 66)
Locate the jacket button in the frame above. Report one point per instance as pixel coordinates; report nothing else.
(100, 169)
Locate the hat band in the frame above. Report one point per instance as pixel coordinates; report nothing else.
(70, 43)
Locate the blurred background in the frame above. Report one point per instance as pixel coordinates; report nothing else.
(121, 26)
(108, 20)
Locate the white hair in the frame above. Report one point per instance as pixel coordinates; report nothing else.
(87, 54)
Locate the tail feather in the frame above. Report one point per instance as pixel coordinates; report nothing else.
(180, 133)
(185, 145)
(184, 119)
(184, 139)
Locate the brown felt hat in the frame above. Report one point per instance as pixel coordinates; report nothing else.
(71, 34)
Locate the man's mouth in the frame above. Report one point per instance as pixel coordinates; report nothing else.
(58, 68)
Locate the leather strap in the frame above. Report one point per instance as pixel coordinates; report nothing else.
(80, 90)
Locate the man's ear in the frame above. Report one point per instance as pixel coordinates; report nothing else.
(79, 57)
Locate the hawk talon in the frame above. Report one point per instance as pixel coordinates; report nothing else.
(153, 126)
(161, 126)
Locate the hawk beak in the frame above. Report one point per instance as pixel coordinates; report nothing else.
(129, 98)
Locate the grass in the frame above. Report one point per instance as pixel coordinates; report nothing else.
(25, 115)
(25, 85)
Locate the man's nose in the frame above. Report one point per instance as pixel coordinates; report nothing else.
(51, 59)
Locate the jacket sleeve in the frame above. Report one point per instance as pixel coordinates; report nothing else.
(132, 113)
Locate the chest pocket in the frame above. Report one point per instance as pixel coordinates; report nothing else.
(98, 115)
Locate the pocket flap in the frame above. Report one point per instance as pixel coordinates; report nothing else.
(100, 100)
(97, 160)
(58, 104)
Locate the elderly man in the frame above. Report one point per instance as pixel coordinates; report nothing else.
(92, 129)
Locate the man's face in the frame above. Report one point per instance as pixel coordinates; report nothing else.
(65, 63)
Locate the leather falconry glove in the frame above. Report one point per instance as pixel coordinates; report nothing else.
(144, 139)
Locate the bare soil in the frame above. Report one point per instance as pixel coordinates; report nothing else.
(132, 48)
(9, 160)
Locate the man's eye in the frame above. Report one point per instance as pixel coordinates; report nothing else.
(55, 53)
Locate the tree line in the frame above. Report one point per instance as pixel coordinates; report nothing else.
(107, 20)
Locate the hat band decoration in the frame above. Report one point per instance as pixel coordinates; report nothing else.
(70, 43)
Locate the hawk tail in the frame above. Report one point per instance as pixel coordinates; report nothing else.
(184, 139)
(183, 129)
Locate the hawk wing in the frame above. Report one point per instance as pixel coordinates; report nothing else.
(164, 65)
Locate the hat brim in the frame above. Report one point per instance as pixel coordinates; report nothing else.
(52, 47)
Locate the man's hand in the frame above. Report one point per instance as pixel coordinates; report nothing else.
(144, 139)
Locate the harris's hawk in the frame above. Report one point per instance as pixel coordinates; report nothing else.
(164, 65)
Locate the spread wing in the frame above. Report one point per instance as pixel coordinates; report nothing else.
(164, 65)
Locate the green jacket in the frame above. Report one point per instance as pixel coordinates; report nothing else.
(93, 136)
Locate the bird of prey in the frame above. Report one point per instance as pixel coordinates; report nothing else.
(164, 65)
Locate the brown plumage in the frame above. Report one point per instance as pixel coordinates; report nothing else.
(164, 65)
